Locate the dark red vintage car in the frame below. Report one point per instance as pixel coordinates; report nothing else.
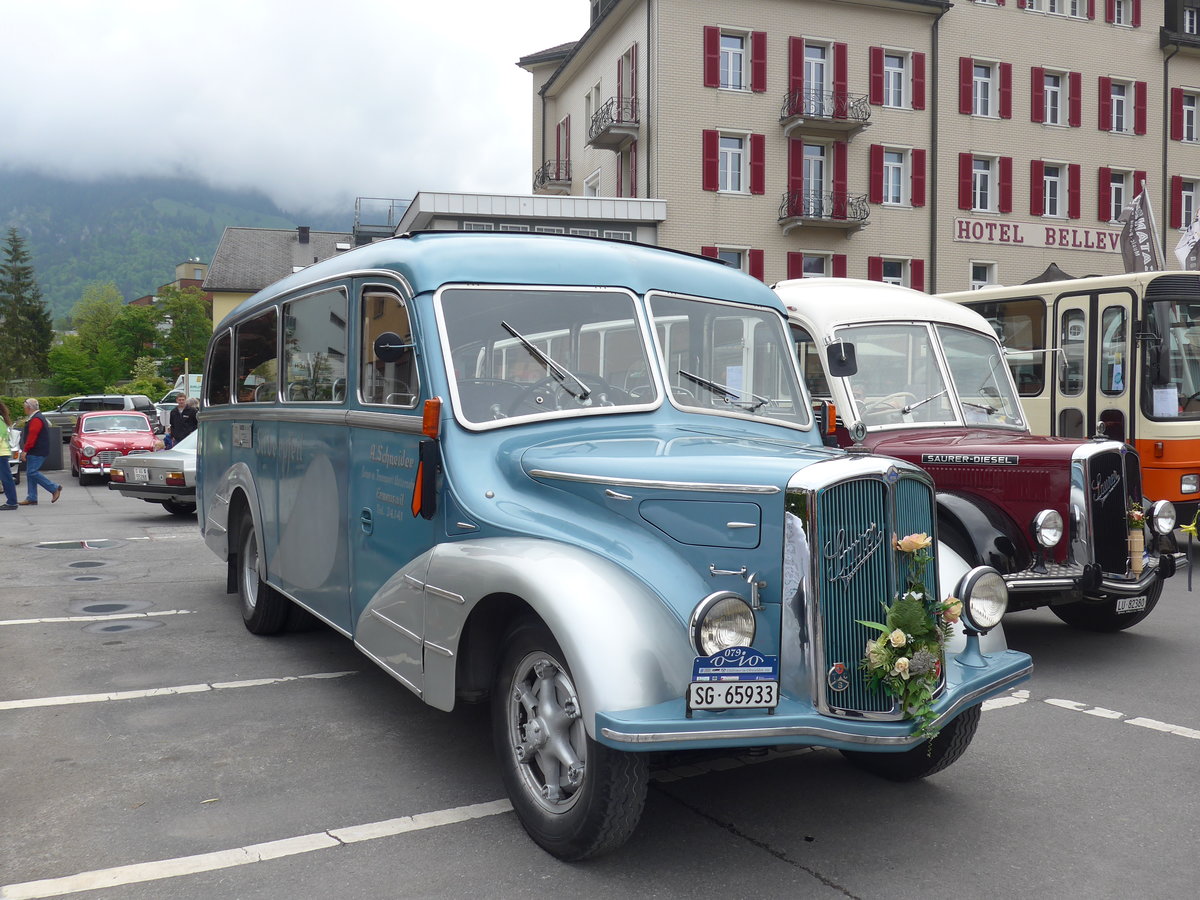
(100, 437)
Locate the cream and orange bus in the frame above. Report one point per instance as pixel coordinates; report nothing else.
(1117, 355)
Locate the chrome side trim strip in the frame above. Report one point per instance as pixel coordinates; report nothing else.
(1016, 585)
(657, 485)
(740, 525)
(396, 626)
(385, 421)
(379, 662)
(445, 594)
(440, 649)
(336, 627)
(809, 731)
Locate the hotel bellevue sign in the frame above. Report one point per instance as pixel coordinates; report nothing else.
(1038, 235)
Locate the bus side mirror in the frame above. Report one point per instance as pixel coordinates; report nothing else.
(840, 359)
(389, 347)
(1157, 363)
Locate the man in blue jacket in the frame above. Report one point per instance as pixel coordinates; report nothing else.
(36, 445)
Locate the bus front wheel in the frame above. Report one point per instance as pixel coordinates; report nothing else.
(264, 610)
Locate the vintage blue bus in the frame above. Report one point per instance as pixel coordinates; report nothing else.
(580, 479)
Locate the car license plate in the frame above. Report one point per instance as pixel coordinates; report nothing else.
(141, 473)
(733, 694)
(1131, 604)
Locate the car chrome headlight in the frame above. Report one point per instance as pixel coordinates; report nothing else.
(1189, 484)
(722, 620)
(1162, 517)
(1048, 528)
(984, 597)
(88, 450)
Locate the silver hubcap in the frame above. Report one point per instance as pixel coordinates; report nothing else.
(250, 570)
(545, 730)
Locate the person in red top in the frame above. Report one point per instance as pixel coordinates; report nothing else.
(36, 446)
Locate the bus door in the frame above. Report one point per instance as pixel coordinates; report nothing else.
(385, 439)
(1073, 413)
(1094, 375)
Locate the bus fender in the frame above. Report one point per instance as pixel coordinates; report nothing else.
(981, 532)
(225, 508)
(624, 645)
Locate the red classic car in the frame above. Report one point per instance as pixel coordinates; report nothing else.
(100, 437)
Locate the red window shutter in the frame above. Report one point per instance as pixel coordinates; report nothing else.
(1037, 200)
(795, 166)
(1137, 13)
(712, 56)
(620, 85)
(875, 189)
(1074, 210)
(965, 161)
(1176, 204)
(758, 164)
(839, 179)
(918, 81)
(916, 274)
(567, 140)
(917, 189)
(1006, 184)
(839, 265)
(966, 71)
(620, 179)
(633, 169)
(1091, 9)
(709, 251)
(841, 81)
(1110, 11)
(710, 179)
(1074, 99)
(795, 64)
(756, 264)
(758, 61)
(1139, 182)
(1105, 105)
(1037, 94)
(633, 72)
(875, 268)
(1006, 90)
(1021, 4)
(1177, 114)
(795, 264)
(1139, 107)
(875, 78)
(1104, 194)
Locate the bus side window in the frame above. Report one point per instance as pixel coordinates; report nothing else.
(216, 384)
(256, 345)
(391, 383)
(809, 355)
(315, 347)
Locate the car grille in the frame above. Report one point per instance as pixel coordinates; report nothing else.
(107, 457)
(854, 569)
(1111, 480)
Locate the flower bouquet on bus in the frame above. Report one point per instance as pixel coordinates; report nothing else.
(905, 661)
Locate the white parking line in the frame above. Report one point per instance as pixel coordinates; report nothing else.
(1101, 712)
(104, 618)
(69, 699)
(240, 856)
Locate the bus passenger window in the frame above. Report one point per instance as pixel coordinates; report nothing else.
(216, 384)
(314, 346)
(392, 382)
(1114, 352)
(1073, 340)
(257, 361)
(809, 355)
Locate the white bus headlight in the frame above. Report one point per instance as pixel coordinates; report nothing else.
(984, 597)
(1189, 484)
(1162, 517)
(1048, 527)
(722, 620)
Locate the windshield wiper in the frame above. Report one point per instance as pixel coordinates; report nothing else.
(990, 410)
(730, 395)
(911, 406)
(560, 374)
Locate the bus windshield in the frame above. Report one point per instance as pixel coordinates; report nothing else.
(981, 378)
(1175, 380)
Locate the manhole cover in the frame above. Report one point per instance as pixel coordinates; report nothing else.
(122, 626)
(86, 564)
(106, 607)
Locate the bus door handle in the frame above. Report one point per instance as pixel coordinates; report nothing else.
(367, 521)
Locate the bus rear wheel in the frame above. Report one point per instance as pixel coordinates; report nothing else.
(1092, 615)
(264, 610)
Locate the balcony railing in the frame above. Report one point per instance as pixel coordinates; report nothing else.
(615, 123)
(836, 110)
(831, 209)
(554, 177)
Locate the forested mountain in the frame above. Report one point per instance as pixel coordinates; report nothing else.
(131, 231)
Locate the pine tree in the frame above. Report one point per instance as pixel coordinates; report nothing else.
(26, 324)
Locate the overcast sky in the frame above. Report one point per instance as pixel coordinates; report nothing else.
(382, 98)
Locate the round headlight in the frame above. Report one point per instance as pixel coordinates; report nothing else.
(722, 620)
(89, 450)
(1048, 527)
(984, 597)
(1162, 517)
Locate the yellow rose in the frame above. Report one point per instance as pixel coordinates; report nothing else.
(952, 609)
(897, 638)
(913, 542)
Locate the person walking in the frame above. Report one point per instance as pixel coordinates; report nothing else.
(6, 454)
(36, 444)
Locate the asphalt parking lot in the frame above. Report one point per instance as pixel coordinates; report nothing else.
(153, 748)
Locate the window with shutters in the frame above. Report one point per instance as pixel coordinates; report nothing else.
(1119, 108)
(731, 164)
(1187, 202)
(735, 259)
(983, 184)
(983, 90)
(895, 80)
(982, 274)
(1191, 20)
(894, 271)
(1053, 98)
(1189, 117)
(815, 264)
(1052, 190)
(1120, 191)
(1120, 12)
(1077, 9)
(895, 178)
(734, 59)
(592, 102)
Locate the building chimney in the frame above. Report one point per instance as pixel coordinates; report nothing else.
(303, 232)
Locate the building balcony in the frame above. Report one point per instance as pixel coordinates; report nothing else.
(823, 209)
(554, 177)
(828, 112)
(615, 125)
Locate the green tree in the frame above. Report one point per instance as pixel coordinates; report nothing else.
(190, 318)
(23, 314)
(146, 379)
(96, 311)
(74, 367)
(134, 333)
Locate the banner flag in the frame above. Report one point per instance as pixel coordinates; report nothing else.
(1187, 251)
(1138, 246)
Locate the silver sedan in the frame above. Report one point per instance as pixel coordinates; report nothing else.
(165, 476)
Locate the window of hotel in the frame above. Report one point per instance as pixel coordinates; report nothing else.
(1055, 7)
(1052, 96)
(1119, 94)
(1189, 117)
(1118, 193)
(592, 102)
(585, 232)
(504, 227)
(1077, 9)
(982, 274)
(1120, 12)
(816, 174)
(894, 80)
(733, 61)
(1187, 202)
(1191, 20)
(894, 179)
(1052, 190)
(591, 185)
(731, 163)
(549, 229)
(808, 264)
(735, 259)
(479, 226)
(983, 90)
(817, 99)
(982, 184)
(619, 235)
(893, 271)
